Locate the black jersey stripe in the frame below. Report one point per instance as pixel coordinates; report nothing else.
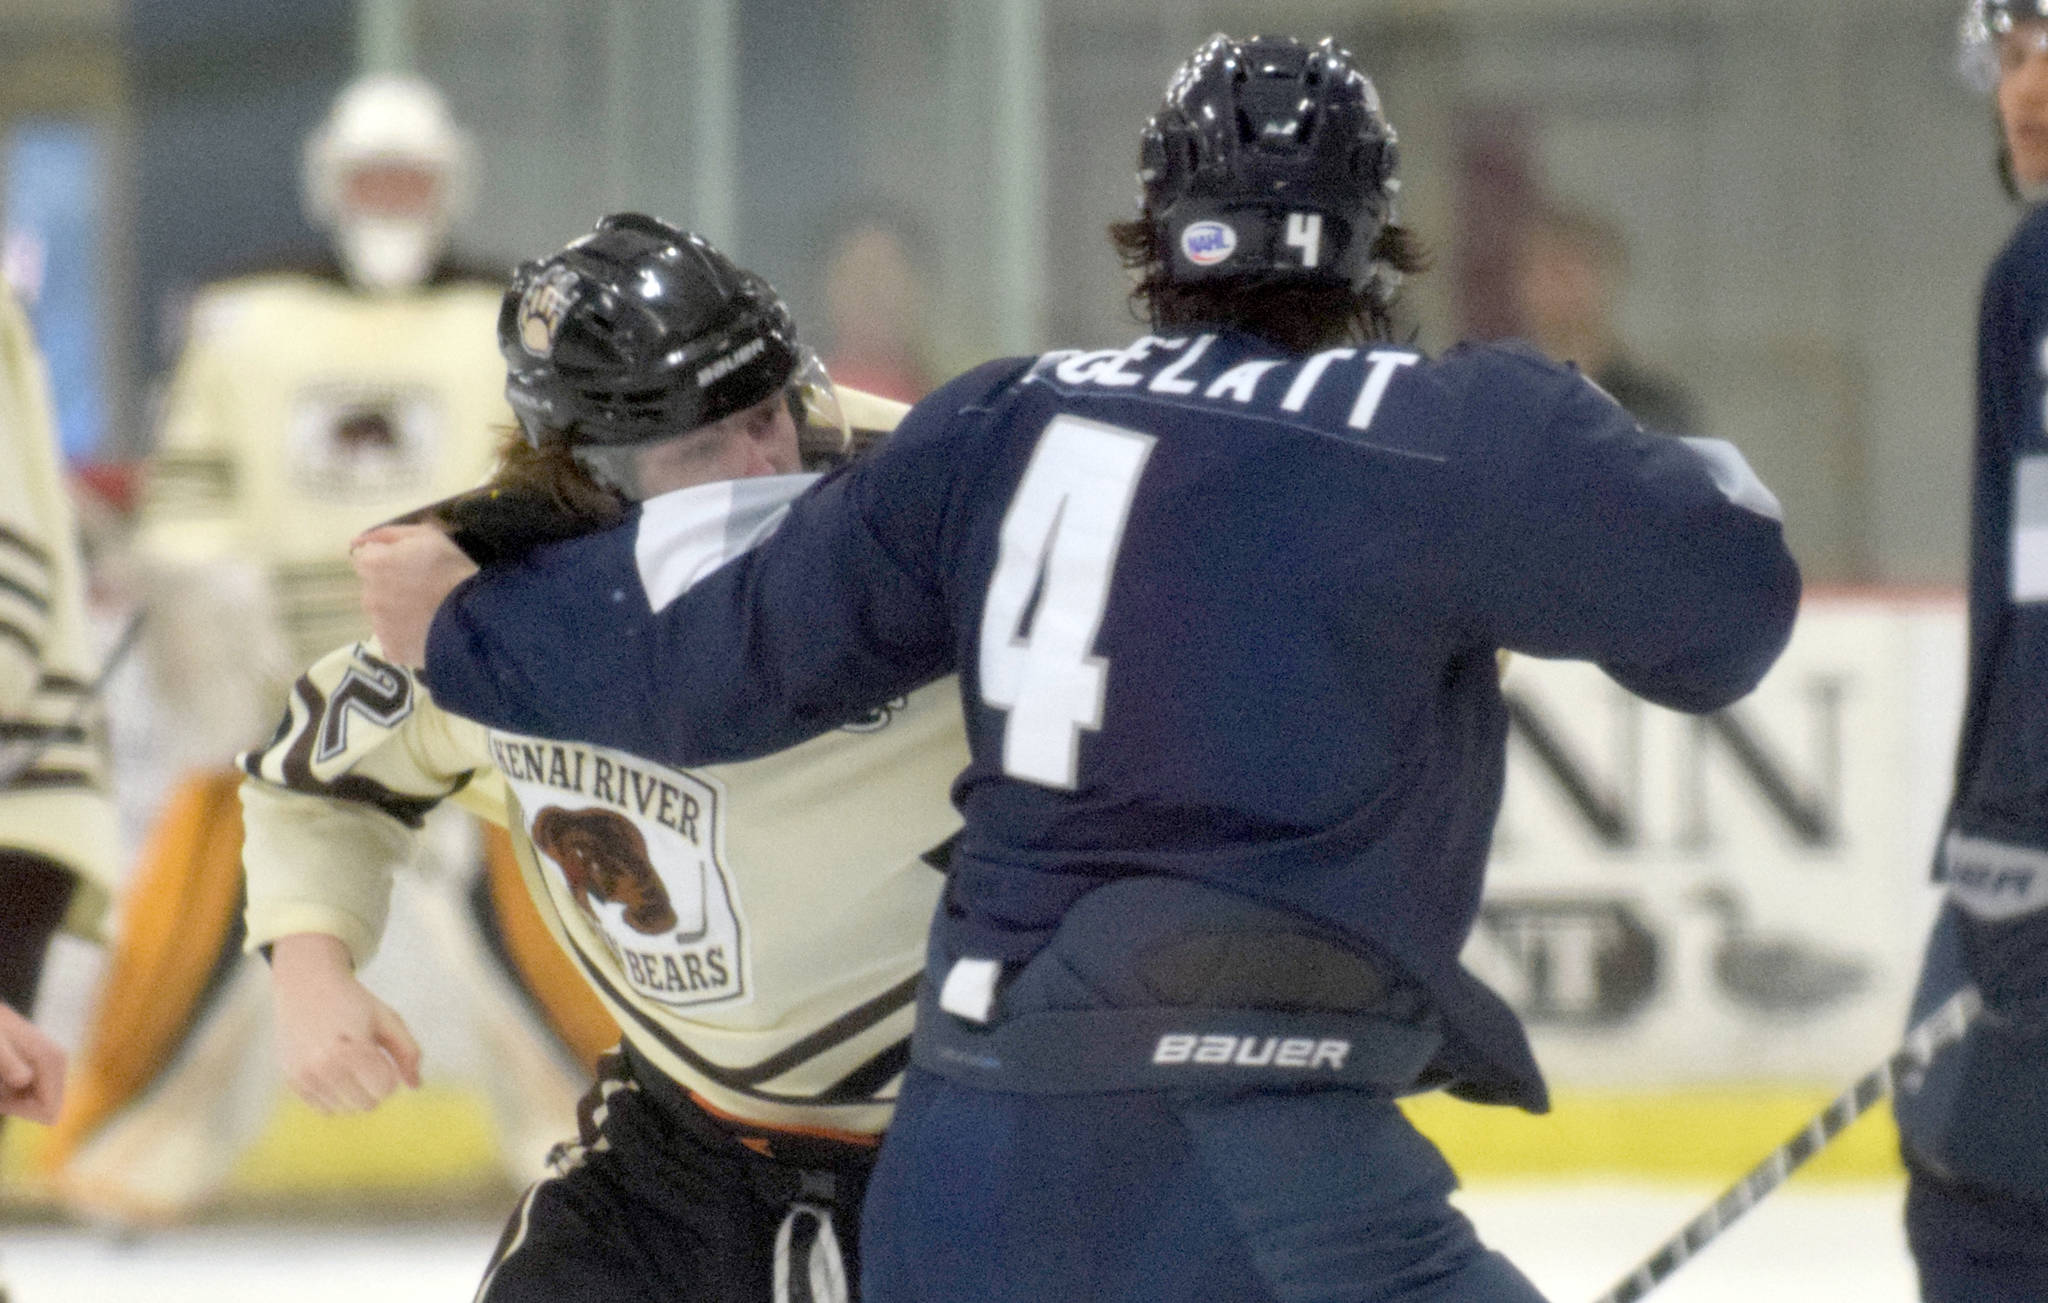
(297, 767)
(28, 547)
(16, 634)
(17, 730)
(47, 780)
(742, 1080)
(29, 597)
(840, 1030)
(862, 1084)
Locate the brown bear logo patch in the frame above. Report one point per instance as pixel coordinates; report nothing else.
(605, 859)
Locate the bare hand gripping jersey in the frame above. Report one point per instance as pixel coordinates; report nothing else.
(756, 928)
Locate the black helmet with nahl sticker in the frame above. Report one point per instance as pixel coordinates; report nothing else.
(637, 332)
(1270, 159)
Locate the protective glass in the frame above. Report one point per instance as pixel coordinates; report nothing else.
(823, 435)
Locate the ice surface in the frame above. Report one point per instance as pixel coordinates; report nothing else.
(1824, 1244)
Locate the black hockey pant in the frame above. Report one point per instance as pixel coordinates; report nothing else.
(36, 892)
(659, 1201)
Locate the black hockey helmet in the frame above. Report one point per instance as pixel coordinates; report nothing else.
(640, 331)
(1269, 159)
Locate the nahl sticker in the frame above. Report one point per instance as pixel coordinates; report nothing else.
(1251, 1051)
(1208, 243)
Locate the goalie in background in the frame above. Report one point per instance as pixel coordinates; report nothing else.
(307, 405)
(1975, 1129)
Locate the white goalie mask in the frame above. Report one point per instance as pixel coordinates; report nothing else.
(387, 174)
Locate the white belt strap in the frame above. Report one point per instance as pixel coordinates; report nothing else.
(808, 1265)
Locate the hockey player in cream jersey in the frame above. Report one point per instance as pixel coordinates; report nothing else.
(57, 851)
(755, 928)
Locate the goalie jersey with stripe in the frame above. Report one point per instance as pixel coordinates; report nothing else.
(301, 412)
(756, 929)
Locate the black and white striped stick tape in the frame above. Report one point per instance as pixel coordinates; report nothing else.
(1942, 1028)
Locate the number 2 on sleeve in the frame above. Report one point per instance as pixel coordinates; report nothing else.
(1059, 543)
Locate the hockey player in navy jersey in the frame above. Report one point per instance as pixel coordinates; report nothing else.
(1975, 1129)
(1225, 605)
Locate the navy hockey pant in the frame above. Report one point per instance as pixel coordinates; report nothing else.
(658, 1202)
(1315, 1196)
(1974, 1129)
(1974, 1245)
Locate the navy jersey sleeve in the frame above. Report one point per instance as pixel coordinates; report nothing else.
(842, 608)
(1660, 559)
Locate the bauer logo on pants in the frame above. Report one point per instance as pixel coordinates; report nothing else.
(1252, 1051)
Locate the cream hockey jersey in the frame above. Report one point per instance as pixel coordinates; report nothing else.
(53, 782)
(302, 412)
(756, 929)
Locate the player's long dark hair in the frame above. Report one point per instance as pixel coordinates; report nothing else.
(552, 473)
(1296, 317)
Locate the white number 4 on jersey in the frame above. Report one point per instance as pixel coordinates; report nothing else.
(1059, 542)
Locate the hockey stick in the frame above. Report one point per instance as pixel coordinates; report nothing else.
(1942, 1028)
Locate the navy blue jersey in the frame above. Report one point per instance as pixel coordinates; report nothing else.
(1218, 612)
(2002, 763)
(1995, 851)
(1976, 1118)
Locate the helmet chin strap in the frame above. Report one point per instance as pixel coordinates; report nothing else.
(385, 255)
